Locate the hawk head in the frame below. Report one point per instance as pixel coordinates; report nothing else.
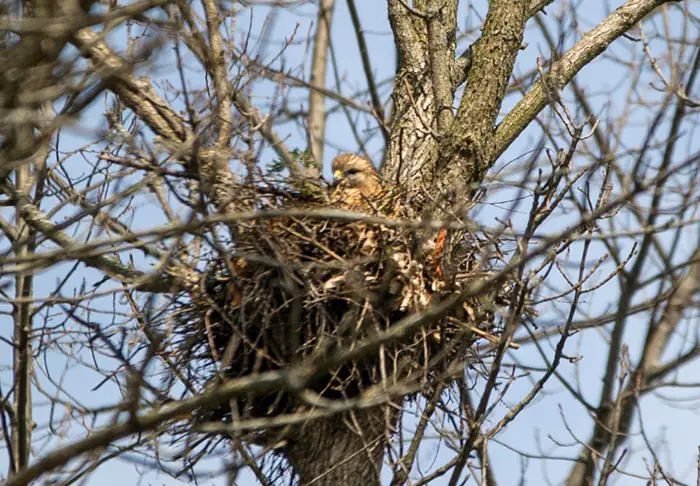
(356, 172)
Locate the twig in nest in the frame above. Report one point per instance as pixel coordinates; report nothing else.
(210, 336)
(486, 335)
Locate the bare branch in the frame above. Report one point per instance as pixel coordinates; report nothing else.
(222, 87)
(593, 43)
(319, 66)
(367, 66)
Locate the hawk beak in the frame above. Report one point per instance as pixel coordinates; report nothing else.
(338, 175)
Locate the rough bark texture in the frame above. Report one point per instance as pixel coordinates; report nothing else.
(463, 159)
(413, 98)
(412, 149)
(342, 449)
(429, 148)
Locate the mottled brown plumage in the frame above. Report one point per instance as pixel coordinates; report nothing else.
(357, 179)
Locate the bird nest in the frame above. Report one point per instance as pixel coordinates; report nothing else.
(297, 284)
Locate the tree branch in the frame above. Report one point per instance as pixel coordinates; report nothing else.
(222, 87)
(139, 280)
(367, 67)
(319, 66)
(138, 95)
(593, 43)
(463, 150)
(441, 51)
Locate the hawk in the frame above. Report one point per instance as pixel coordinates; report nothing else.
(357, 180)
(359, 187)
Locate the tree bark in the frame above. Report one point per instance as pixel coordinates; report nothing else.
(345, 449)
(463, 151)
(412, 148)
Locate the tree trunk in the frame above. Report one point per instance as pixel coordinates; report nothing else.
(411, 150)
(344, 449)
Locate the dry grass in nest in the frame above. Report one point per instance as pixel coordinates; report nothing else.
(299, 286)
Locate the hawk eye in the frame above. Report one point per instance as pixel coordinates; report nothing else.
(352, 171)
